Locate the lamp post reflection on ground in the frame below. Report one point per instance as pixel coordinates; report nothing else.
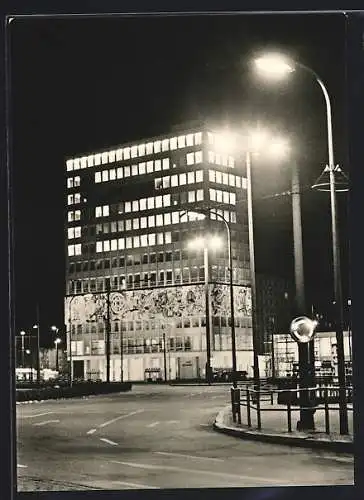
(276, 66)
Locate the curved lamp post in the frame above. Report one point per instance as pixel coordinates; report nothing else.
(277, 66)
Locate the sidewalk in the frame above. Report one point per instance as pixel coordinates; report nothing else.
(274, 428)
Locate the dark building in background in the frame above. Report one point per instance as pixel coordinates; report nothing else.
(132, 283)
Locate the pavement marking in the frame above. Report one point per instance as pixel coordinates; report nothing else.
(173, 421)
(153, 424)
(46, 422)
(91, 431)
(22, 466)
(37, 414)
(188, 456)
(135, 485)
(108, 441)
(264, 479)
(119, 418)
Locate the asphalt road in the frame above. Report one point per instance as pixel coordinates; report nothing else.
(156, 437)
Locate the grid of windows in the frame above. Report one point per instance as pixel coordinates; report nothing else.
(73, 181)
(73, 215)
(221, 159)
(147, 167)
(74, 250)
(103, 211)
(74, 232)
(73, 199)
(135, 151)
(143, 240)
(222, 196)
(176, 180)
(227, 179)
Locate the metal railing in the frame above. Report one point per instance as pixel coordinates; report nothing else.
(288, 399)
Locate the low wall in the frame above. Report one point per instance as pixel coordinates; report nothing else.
(77, 390)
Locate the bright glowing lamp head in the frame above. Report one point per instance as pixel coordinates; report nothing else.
(225, 141)
(57, 341)
(196, 244)
(274, 66)
(54, 328)
(215, 242)
(257, 138)
(278, 149)
(35, 326)
(22, 333)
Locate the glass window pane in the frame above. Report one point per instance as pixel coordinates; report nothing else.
(167, 219)
(191, 177)
(165, 163)
(189, 139)
(143, 203)
(166, 200)
(182, 179)
(126, 153)
(119, 173)
(182, 141)
(174, 180)
(112, 174)
(198, 157)
(134, 170)
(127, 171)
(151, 221)
(157, 146)
(165, 145)
(173, 143)
(141, 149)
(190, 158)
(142, 168)
(97, 176)
(151, 202)
(149, 167)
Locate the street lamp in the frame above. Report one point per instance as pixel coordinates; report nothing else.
(56, 343)
(275, 65)
(36, 327)
(22, 333)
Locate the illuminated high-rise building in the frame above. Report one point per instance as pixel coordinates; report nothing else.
(135, 289)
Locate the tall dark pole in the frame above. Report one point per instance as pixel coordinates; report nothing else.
(165, 356)
(57, 364)
(107, 333)
(22, 352)
(343, 411)
(207, 311)
(272, 348)
(38, 346)
(252, 272)
(304, 350)
(121, 355)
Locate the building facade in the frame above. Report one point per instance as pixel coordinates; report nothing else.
(137, 295)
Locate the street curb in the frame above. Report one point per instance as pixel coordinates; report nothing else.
(299, 441)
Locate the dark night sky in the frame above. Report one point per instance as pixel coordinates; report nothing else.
(80, 85)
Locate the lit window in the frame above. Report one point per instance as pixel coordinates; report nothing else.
(218, 158)
(127, 207)
(231, 162)
(231, 180)
(182, 141)
(77, 214)
(76, 164)
(219, 196)
(212, 176)
(105, 211)
(144, 240)
(165, 145)
(159, 220)
(160, 239)
(129, 242)
(119, 173)
(166, 182)
(167, 219)
(225, 179)
(189, 140)
(175, 217)
(120, 225)
(182, 179)
(121, 243)
(210, 137)
(70, 199)
(225, 160)
(213, 194)
(158, 202)
(104, 157)
(106, 246)
(77, 198)
(135, 223)
(168, 237)
(112, 174)
(112, 156)
(150, 202)
(149, 148)
(98, 159)
(232, 199)
(198, 157)
(198, 138)
(211, 156)
(126, 153)
(191, 177)
(105, 176)
(70, 182)
(143, 222)
(174, 180)
(71, 233)
(141, 149)
(166, 200)
(99, 246)
(90, 161)
(143, 204)
(127, 171)
(199, 175)
(128, 225)
(77, 232)
(219, 177)
(191, 196)
(142, 168)
(151, 239)
(151, 221)
(173, 143)
(70, 216)
(244, 183)
(134, 170)
(165, 163)
(114, 245)
(233, 217)
(200, 195)
(69, 164)
(190, 158)
(97, 176)
(134, 151)
(238, 181)
(119, 154)
(149, 167)
(136, 242)
(157, 146)
(135, 207)
(157, 165)
(71, 250)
